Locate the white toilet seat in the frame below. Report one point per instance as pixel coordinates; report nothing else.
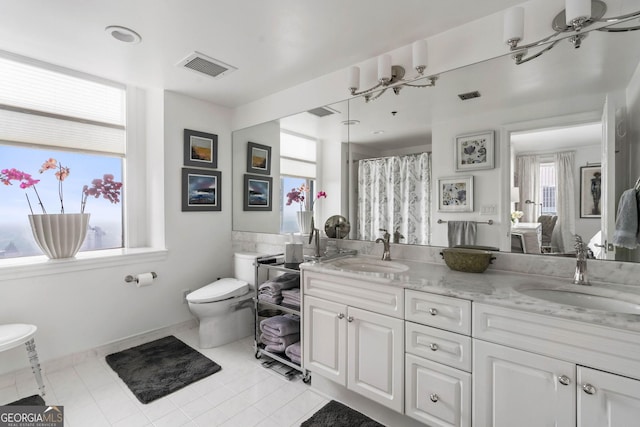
(218, 291)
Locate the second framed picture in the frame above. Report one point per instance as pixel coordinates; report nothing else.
(200, 190)
(257, 193)
(258, 158)
(590, 191)
(474, 151)
(455, 194)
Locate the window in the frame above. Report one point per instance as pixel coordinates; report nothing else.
(297, 167)
(49, 112)
(548, 189)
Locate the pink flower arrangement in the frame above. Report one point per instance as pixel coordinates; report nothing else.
(297, 195)
(106, 187)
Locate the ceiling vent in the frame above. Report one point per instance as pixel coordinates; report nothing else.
(469, 95)
(322, 111)
(206, 65)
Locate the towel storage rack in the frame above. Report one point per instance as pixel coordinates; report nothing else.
(490, 222)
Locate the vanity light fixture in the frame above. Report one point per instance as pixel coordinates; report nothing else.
(577, 15)
(392, 76)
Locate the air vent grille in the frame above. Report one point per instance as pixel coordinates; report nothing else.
(322, 111)
(206, 65)
(469, 95)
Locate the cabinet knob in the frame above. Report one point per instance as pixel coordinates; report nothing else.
(433, 397)
(589, 389)
(564, 380)
(433, 346)
(433, 311)
(350, 319)
(341, 316)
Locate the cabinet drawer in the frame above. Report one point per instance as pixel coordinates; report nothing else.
(452, 314)
(355, 293)
(437, 395)
(440, 346)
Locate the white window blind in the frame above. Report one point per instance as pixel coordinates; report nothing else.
(45, 106)
(297, 155)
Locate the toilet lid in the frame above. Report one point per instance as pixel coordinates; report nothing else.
(219, 290)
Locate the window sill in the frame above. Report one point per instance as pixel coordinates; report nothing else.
(16, 268)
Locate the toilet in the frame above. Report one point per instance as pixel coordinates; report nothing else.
(224, 308)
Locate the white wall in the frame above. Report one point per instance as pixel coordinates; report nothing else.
(79, 310)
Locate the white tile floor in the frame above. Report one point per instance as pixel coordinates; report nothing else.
(242, 394)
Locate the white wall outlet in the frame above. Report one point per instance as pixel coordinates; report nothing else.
(488, 209)
(185, 292)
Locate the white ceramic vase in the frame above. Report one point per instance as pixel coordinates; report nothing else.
(59, 235)
(304, 221)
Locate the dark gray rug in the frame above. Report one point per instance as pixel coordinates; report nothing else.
(35, 400)
(335, 414)
(158, 368)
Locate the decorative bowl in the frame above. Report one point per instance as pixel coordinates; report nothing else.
(467, 260)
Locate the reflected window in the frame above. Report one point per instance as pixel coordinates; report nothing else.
(297, 169)
(548, 188)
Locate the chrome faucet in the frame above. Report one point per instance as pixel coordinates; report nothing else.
(580, 276)
(386, 253)
(315, 232)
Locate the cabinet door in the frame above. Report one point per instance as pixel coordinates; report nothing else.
(376, 357)
(516, 388)
(325, 338)
(607, 400)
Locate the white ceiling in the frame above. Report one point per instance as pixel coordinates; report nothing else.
(275, 44)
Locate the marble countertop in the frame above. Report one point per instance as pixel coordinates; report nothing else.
(499, 288)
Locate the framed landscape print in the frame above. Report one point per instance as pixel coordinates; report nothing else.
(258, 158)
(257, 193)
(200, 149)
(200, 190)
(455, 194)
(590, 191)
(474, 151)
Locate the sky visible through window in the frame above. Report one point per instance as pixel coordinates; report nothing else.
(16, 239)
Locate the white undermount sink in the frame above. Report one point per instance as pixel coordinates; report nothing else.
(369, 265)
(587, 298)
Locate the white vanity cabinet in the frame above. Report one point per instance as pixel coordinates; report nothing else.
(438, 359)
(533, 373)
(354, 335)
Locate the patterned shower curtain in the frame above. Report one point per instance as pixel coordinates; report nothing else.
(394, 193)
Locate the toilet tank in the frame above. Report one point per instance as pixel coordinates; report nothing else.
(243, 266)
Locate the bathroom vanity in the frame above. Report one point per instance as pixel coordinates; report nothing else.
(458, 349)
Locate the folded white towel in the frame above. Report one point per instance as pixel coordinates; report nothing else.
(281, 325)
(626, 233)
(461, 233)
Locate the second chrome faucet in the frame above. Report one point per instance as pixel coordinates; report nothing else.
(386, 252)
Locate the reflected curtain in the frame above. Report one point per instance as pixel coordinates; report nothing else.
(394, 193)
(565, 200)
(527, 179)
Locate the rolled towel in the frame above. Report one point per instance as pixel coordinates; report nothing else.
(285, 281)
(292, 294)
(278, 344)
(281, 325)
(293, 350)
(269, 298)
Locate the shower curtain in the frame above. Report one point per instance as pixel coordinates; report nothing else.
(394, 193)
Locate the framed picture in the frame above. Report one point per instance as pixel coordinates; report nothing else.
(200, 190)
(258, 158)
(590, 191)
(455, 194)
(474, 151)
(200, 149)
(257, 193)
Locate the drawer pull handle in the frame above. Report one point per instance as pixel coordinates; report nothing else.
(350, 319)
(433, 346)
(433, 311)
(564, 380)
(341, 316)
(433, 397)
(589, 389)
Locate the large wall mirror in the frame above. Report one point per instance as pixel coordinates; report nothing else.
(550, 105)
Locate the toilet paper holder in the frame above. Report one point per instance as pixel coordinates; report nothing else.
(131, 278)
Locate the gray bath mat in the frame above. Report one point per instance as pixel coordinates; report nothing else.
(335, 414)
(35, 400)
(158, 368)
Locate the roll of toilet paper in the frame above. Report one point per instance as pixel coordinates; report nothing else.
(144, 279)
